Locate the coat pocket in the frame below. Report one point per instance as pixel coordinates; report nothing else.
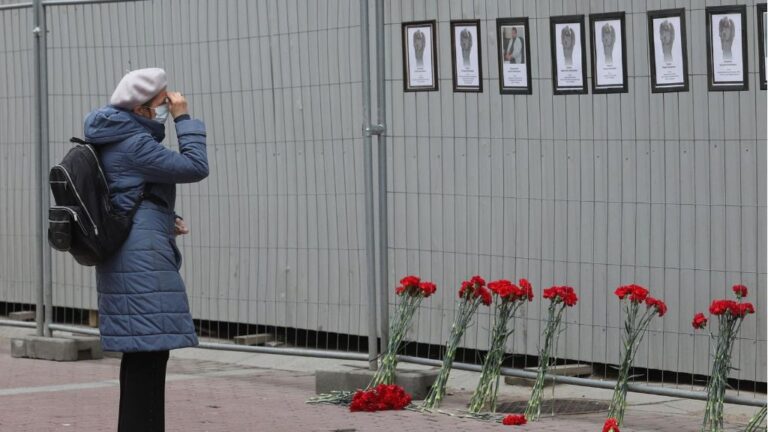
(176, 253)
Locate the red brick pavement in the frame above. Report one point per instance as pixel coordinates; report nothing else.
(217, 397)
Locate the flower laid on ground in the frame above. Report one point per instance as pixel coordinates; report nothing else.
(757, 422)
(472, 293)
(412, 290)
(730, 315)
(509, 298)
(380, 398)
(635, 325)
(611, 425)
(560, 297)
(514, 420)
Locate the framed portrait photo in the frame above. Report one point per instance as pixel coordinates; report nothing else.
(668, 50)
(569, 57)
(466, 56)
(727, 48)
(609, 52)
(762, 22)
(419, 56)
(514, 55)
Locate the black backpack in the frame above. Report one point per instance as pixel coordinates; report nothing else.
(84, 222)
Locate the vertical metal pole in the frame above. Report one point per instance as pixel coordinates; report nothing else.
(381, 117)
(43, 310)
(368, 172)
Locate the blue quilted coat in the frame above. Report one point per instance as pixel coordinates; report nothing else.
(143, 303)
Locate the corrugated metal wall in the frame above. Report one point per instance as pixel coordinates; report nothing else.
(594, 191)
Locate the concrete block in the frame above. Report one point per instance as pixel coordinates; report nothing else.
(577, 370)
(416, 382)
(93, 319)
(22, 316)
(254, 339)
(70, 348)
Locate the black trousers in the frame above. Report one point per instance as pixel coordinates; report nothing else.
(142, 392)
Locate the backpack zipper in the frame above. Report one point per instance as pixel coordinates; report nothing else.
(82, 205)
(70, 211)
(98, 164)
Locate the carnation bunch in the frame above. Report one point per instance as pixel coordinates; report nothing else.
(730, 315)
(472, 293)
(635, 325)
(757, 422)
(560, 297)
(412, 290)
(380, 398)
(509, 298)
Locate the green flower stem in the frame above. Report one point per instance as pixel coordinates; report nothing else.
(488, 386)
(728, 327)
(555, 315)
(757, 423)
(467, 310)
(385, 374)
(397, 330)
(634, 330)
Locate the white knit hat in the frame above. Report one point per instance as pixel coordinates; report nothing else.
(138, 87)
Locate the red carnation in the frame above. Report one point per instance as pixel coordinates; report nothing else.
(466, 289)
(611, 425)
(551, 292)
(719, 307)
(410, 281)
(699, 321)
(569, 296)
(742, 309)
(500, 287)
(383, 397)
(639, 294)
(740, 290)
(400, 290)
(427, 288)
(514, 420)
(623, 291)
(486, 295)
(660, 306)
(477, 281)
(527, 288)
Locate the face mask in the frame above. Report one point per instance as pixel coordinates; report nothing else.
(161, 113)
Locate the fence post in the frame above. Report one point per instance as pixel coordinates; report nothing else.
(370, 257)
(43, 310)
(381, 130)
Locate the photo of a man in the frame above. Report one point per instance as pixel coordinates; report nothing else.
(667, 36)
(514, 46)
(608, 58)
(514, 67)
(420, 68)
(568, 41)
(568, 51)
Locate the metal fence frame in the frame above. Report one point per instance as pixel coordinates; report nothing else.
(375, 222)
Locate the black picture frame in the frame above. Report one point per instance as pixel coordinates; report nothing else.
(518, 22)
(598, 88)
(407, 85)
(456, 86)
(761, 11)
(681, 36)
(712, 84)
(575, 20)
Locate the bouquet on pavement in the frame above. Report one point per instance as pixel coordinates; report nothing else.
(471, 294)
(509, 298)
(730, 315)
(635, 324)
(560, 297)
(411, 292)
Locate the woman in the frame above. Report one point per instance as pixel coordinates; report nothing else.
(143, 307)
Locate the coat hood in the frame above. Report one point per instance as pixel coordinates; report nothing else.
(110, 124)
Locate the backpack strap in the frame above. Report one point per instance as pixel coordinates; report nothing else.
(76, 140)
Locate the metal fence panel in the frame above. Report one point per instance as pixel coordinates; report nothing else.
(594, 191)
